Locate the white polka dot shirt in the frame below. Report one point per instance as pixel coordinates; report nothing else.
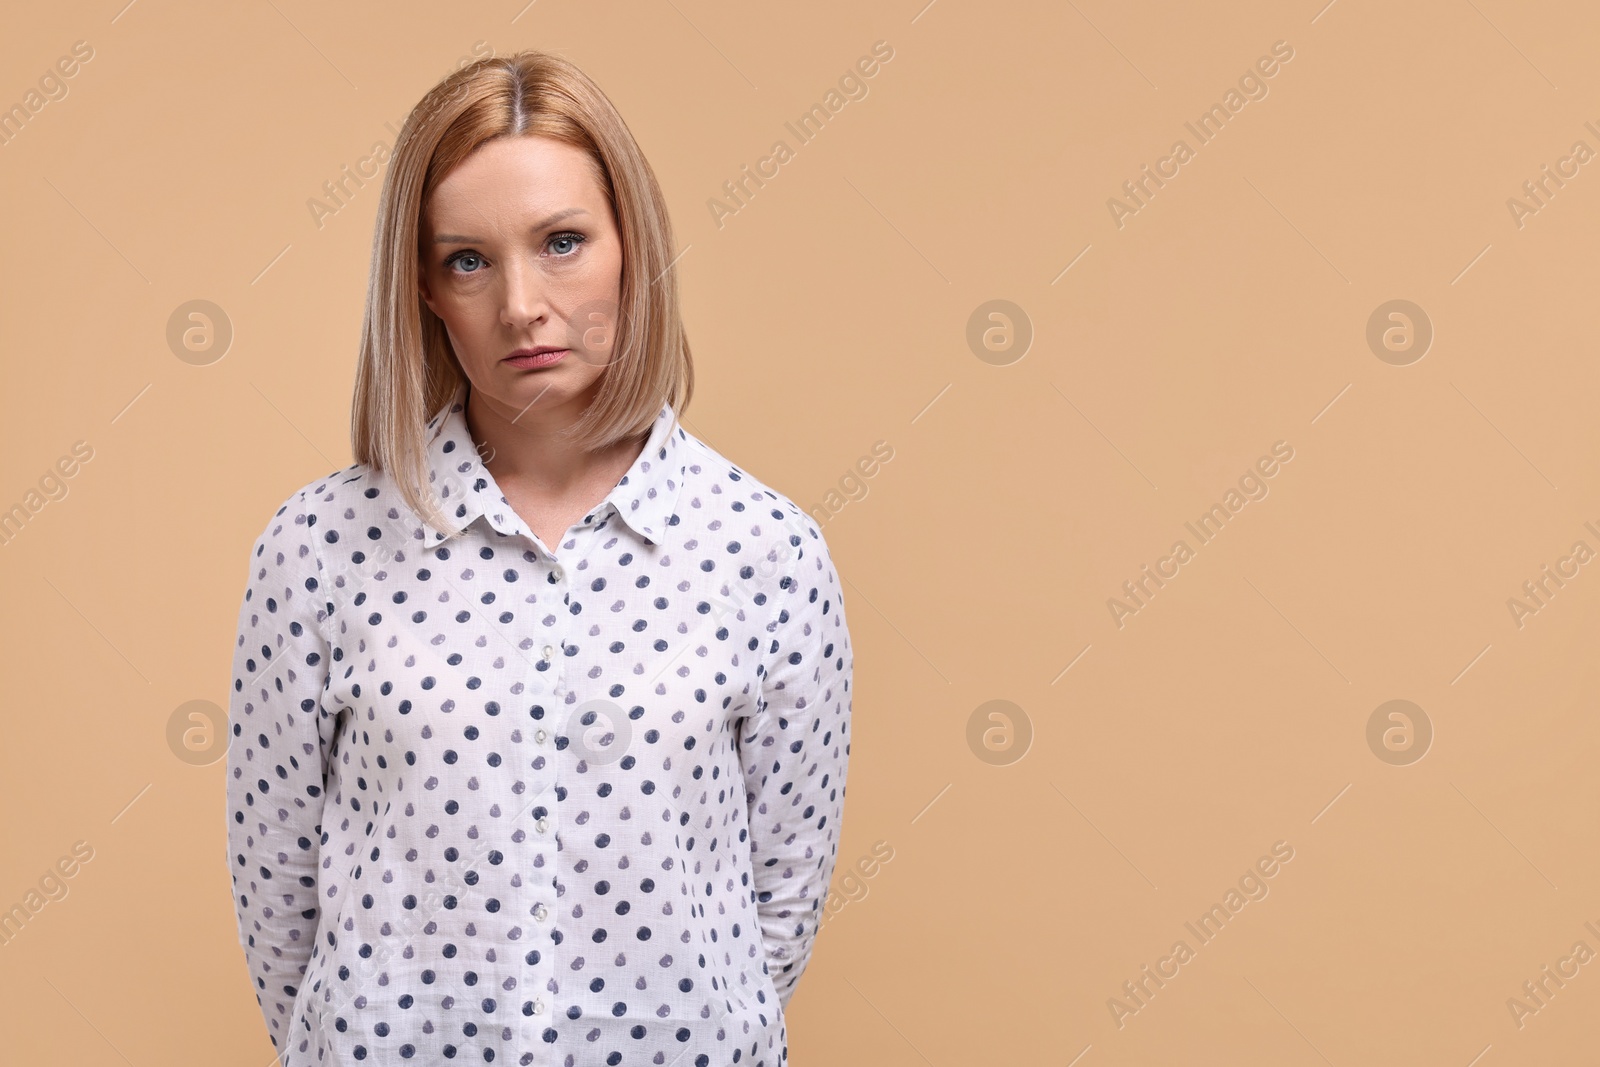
(493, 803)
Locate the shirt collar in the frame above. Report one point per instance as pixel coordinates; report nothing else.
(645, 498)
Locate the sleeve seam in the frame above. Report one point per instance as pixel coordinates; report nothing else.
(768, 631)
(323, 575)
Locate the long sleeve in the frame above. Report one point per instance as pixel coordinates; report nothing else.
(794, 751)
(279, 733)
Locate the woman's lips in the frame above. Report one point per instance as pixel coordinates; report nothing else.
(543, 359)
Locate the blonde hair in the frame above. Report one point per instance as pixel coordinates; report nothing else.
(407, 370)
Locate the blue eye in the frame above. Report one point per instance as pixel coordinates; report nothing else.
(571, 240)
(460, 257)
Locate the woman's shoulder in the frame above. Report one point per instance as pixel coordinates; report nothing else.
(337, 494)
(347, 485)
(718, 489)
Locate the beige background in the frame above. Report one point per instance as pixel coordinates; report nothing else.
(828, 314)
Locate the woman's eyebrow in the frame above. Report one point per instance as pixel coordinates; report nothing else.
(455, 238)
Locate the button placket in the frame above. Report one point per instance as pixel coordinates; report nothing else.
(551, 681)
(552, 677)
(557, 643)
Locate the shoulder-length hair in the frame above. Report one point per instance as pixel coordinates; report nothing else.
(407, 369)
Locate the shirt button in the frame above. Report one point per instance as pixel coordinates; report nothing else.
(558, 572)
(538, 1007)
(543, 824)
(549, 651)
(539, 736)
(540, 912)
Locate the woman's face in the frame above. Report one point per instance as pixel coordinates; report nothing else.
(520, 251)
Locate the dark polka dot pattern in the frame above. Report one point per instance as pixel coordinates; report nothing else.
(493, 804)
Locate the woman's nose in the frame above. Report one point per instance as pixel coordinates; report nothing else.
(524, 300)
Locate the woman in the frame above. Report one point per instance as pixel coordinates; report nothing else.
(541, 709)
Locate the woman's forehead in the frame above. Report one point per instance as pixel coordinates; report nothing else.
(516, 180)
